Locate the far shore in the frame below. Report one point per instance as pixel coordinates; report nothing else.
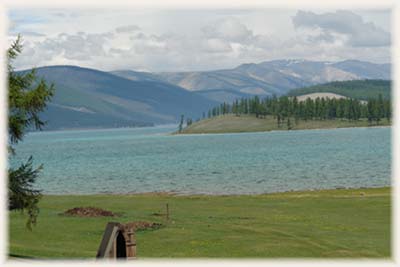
(297, 130)
(177, 194)
(103, 128)
(228, 124)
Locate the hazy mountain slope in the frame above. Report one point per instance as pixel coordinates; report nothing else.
(90, 98)
(64, 118)
(365, 70)
(218, 80)
(224, 95)
(136, 75)
(274, 77)
(359, 89)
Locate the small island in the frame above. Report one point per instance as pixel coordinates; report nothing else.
(326, 106)
(230, 123)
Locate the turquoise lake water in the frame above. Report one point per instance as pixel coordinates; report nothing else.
(151, 160)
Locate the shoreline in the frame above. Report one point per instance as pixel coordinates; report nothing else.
(206, 133)
(84, 129)
(176, 194)
(269, 131)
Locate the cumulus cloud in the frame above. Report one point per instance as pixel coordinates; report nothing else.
(127, 28)
(217, 43)
(230, 29)
(70, 47)
(357, 31)
(151, 44)
(81, 46)
(216, 46)
(32, 34)
(64, 14)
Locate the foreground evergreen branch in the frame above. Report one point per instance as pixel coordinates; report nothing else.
(21, 194)
(27, 97)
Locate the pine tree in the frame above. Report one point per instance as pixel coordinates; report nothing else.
(296, 110)
(376, 111)
(27, 97)
(340, 108)
(278, 119)
(380, 108)
(289, 125)
(309, 109)
(370, 110)
(388, 110)
(181, 124)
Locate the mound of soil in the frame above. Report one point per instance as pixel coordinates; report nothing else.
(142, 225)
(89, 212)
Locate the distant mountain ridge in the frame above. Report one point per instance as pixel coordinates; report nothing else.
(88, 98)
(267, 78)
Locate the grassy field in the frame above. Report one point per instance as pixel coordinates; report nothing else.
(249, 123)
(330, 223)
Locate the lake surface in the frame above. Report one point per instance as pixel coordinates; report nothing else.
(150, 160)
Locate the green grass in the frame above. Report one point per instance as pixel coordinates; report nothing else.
(330, 223)
(231, 123)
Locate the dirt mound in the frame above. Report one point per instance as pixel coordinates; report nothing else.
(142, 225)
(89, 212)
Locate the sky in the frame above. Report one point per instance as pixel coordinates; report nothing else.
(158, 40)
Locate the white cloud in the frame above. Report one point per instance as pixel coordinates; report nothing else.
(152, 44)
(358, 32)
(215, 45)
(230, 29)
(127, 28)
(183, 41)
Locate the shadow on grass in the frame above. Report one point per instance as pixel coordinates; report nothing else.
(11, 256)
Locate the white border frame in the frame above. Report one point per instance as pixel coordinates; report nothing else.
(394, 5)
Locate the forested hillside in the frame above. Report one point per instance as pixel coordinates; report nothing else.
(358, 89)
(288, 112)
(287, 108)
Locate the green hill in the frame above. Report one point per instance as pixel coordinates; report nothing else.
(88, 98)
(285, 113)
(358, 89)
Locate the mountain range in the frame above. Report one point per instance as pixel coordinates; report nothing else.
(266, 78)
(89, 98)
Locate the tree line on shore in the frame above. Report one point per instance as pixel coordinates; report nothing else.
(287, 108)
(358, 89)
